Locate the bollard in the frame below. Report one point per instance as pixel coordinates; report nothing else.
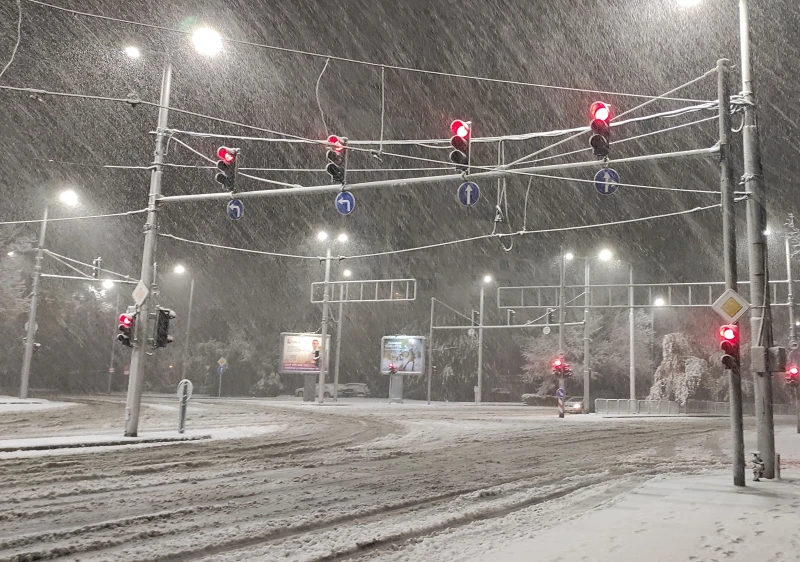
(777, 466)
(184, 393)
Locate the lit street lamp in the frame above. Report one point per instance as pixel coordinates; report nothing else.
(132, 52)
(180, 270)
(479, 395)
(69, 198)
(322, 236)
(346, 274)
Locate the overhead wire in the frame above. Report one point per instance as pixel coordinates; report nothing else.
(62, 219)
(357, 61)
(19, 38)
(245, 250)
(55, 255)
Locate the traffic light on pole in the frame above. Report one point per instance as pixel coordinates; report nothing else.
(558, 367)
(729, 345)
(550, 312)
(127, 325)
(392, 369)
(227, 165)
(97, 263)
(337, 159)
(161, 335)
(461, 142)
(793, 375)
(601, 129)
(567, 370)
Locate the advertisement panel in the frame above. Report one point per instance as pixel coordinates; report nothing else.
(300, 353)
(406, 353)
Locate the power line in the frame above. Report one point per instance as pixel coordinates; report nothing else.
(245, 250)
(35, 221)
(362, 62)
(19, 38)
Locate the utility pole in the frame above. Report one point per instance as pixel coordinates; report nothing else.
(631, 336)
(430, 353)
(790, 280)
(188, 328)
(31, 332)
(338, 344)
(587, 370)
(727, 187)
(323, 348)
(113, 345)
(136, 379)
(561, 287)
(760, 316)
(480, 346)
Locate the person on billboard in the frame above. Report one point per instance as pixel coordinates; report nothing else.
(315, 352)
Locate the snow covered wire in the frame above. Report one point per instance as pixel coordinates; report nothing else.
(57, 256)
(356, 61)
(316, 90)
(72, 267)
(451, 308)
(19, 38)
(245, 250)
(34, 221)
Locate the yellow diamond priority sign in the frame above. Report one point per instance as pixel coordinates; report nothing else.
(731, 306)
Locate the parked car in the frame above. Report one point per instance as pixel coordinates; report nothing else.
(357, 389)
(327, 394)
(573, 405)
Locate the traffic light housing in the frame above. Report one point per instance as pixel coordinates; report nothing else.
(227, 164)
(161, 337)
(392, 369)
(97, 263)
(550, 312)
(337, 159)
(600, 140)
(567, 370)
(461, 142)
(127, 327)
(729, 345)
(793, 375)
(558, 366)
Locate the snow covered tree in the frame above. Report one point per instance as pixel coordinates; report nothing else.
(680, 373)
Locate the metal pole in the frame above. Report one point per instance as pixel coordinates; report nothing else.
(760, 317)
(136, 379)
(790, 285)
(182, 410)
(31, 332)
(587, 370)
(480, 346)
(727, 187)
(797, 408)
(338, 344)
(561, 287)
(323, 348)
(188, 328)
(430, 353)
(113, 346)
(219, 388)
(631, 335)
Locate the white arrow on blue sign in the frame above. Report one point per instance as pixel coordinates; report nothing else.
(235, 209)
(222, 368)
(561, 393)
(345, 203)
(469, 193)
(606, 181)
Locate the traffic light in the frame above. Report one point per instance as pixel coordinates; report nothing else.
(601, 129)
(316, 357)
(97, 263)
(227, 165)
(392, 369)
(550, 312)
(793, 375)
(558, 367)
(127, 325)
(729, 345)
(461, 141)
(337, 159)
(161, 335)
(567, 371)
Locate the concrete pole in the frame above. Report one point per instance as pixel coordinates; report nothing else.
(727, 187)
(760, 317)
(562, 261)
(430, 353)
(480, 346)
(188, 328)
(113, 345)
(792, 326)
(631, 336)
(338, 344)
(219, 387)
(136, 379)
(587, 369)
(31, 333)
(323, 348)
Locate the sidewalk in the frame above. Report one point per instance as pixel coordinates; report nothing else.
(99, 440)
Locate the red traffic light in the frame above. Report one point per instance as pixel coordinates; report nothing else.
(793, 371)
(728, 333)
(557, 363)
(125, 320)
(337, 143)
(600, 111)
(227, 155)
(460, 129)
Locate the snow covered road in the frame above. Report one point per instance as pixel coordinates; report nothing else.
(363, 481)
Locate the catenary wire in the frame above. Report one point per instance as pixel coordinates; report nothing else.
(245, 250)
(53, 254)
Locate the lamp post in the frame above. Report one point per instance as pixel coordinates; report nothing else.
(479, 396)
(322, 236)
(606, 255)
(346, 274)
(180, 270)
(108, 285)
(206, 42)
(69, 198)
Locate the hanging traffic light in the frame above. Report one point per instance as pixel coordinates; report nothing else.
(392, 369)
(161, 335)
(97, 263)
(730, 345)
(601, 129)
(337, 159)
(558, 367)
(461, 142)
(793, 375)
(567, 370)
(227, 165)
(127, 325)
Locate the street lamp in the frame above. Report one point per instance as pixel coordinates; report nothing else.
(108, 284)
(132, 52)
(569, 256)
(479, 395)
(180, 269)
(69, 198)
(345, 274)
(207, 41)
(659, 302)
(605, 255)
(322, 236)
(10, 254)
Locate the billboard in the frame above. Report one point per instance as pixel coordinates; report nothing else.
(406, 352)
(300, 353)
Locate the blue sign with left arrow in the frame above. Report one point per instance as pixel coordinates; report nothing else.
(235, 209)
(345, 203)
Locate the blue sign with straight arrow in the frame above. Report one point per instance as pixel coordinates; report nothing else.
(606, 181)
(469, 193)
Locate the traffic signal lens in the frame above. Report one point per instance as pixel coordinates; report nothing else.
(600, 111)
(226, 154)
(125, 320)
(793, 371)
(460, 129)
(727, 333)
(557, 363)
(338, 146)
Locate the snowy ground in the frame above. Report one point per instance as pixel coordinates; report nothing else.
(366, 480)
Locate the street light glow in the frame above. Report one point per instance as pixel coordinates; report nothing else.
(132, 52)
(605, 254)
(10, 254)
(69, 197)
(767, 231)
(108, 284)
(347, 273)
(659, 302)
(322, 235)
(342, 237)
(207, 41)
(179, 269)
(569, 256)
(487, 279)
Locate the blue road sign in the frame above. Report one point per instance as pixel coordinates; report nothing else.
(606, 180)
(235, 209)
(345, 203)
(469, 193)
(561, 393)
(222, 368)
